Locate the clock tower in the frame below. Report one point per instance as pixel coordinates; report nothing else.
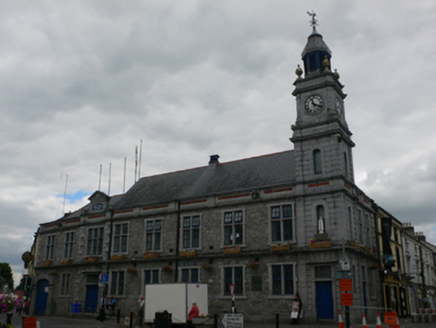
(322, 140)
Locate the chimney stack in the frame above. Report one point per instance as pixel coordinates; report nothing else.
(214, 159)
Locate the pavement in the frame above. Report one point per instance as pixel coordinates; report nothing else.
(91, 322)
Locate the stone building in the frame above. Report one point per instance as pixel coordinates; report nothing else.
(392, 270)
(419, 269)
(272, 225)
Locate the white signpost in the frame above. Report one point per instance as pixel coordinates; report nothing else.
(231, 320)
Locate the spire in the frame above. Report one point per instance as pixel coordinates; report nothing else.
(315, 51)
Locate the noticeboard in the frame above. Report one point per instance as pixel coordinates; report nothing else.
(345, 285)
(29, 322)
(346, 299)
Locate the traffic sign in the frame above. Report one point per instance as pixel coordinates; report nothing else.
(104, 278)
(231, 320)
(232, 289)
(346, 299)
(390, 318)
(345, 285)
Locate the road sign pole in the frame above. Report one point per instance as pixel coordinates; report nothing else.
(232, 293)
(347, 317)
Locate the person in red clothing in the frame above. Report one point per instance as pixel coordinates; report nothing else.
(194, 313)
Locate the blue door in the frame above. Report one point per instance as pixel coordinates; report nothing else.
(91, 298)
(41, 297)
(324, 300)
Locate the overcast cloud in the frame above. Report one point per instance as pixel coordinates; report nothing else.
(82, 82)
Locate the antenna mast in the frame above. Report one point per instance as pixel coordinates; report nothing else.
(124, 180)
(136, 161)
(109, 182)
(140, 157)
(65, 191)
(99, 178)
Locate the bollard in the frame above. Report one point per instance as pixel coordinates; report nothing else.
(131, 319)
(277, 320)
(215, 321)
(118, 315)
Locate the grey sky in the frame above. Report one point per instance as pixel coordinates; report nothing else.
(83, 81)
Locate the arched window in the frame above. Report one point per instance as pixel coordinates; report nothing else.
(346, 164)
(320, 219)
(317, 167)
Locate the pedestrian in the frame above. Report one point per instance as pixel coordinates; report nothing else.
(27, 306)
(111, 306)
(102, 312)
(297, 309)
(194, 313)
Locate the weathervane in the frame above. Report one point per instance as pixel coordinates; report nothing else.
(314, 21)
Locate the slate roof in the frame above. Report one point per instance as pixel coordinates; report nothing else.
(241, 175)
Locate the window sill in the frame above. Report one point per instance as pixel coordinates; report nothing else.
(280, 297)
(237, 297)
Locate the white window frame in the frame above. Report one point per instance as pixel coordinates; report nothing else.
(223, 225)
(271, 280)
(291, 241)
(120, 237)
(96, 240)
(151, 276)
(191, 228)
(233, 280)
(190, 268)
(50, 247)
(161, 231)
(69, 243)
(117, 293)
(65, 284)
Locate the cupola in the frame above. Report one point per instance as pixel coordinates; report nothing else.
(315, 51)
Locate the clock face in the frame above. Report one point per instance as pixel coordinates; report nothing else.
(314, 105)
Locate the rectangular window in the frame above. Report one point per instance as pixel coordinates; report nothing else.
(50, 247)
(121, 231)
(350, 221)
(281, 223)
(282, 277)
(95, 241)
(69, 241)
(153, 235)
(373, 284)
(233, 223)
(190, 275)
(151, 276)
(191, 231)
(233, 276)
(323, 272)
(117, 283)
(65, 284)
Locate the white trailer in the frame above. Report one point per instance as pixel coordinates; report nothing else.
(175, 298)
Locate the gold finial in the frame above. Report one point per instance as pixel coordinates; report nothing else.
(326, 64)
(299, 71)
(337, 76)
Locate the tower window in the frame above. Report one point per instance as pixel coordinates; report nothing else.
(346, 164)
(317, 167)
